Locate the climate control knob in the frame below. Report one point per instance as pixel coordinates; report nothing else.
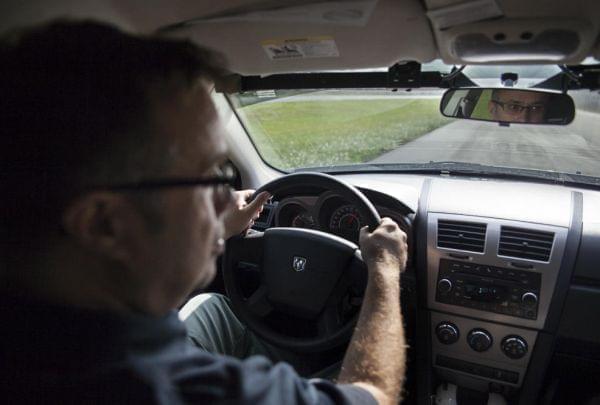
(479, 340)
(514, 347)
(529, 299)
(447, 333)
(444, 285)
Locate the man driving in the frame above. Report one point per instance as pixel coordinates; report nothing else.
(114, 211)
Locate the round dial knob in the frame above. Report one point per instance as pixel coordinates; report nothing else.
(447, 333)
(479, 340)
(514, 346)
(529, 299)
(444, 285)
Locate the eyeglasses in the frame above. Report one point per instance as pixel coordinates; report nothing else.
(146, 185)
(513, 108)
(223, 182)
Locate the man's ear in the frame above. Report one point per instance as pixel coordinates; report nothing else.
(492, 107)
(103, 222)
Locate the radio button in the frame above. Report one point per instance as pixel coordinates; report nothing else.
(447, 333)
(444, 285)
(514, 347)
(479, 340)
(529, 299)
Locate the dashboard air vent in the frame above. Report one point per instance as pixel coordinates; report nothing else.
(459, 235)
(525, 243)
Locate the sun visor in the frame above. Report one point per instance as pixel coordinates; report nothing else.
(335, 35)
(518, 41)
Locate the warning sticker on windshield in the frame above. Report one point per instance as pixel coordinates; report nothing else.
(300, 48)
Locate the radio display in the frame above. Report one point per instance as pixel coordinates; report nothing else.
(484, 292)
(488, 288)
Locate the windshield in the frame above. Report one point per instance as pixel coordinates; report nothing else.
(330, 128)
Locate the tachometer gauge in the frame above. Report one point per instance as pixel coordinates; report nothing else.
(294, 214)
(303, 220)
(345, 222)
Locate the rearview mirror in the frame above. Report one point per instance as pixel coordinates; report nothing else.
(508, 105)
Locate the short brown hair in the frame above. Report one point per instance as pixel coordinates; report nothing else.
(73, 107)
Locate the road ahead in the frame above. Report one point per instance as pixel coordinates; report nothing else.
(565, 149)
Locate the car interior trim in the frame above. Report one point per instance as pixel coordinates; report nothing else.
(423, 332)
(568, 264)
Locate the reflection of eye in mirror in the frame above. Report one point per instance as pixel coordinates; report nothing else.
(507, 105)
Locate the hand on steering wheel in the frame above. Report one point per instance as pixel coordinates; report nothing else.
(385, 246)
(304, 274)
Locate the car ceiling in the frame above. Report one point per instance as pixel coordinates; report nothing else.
(347, 34)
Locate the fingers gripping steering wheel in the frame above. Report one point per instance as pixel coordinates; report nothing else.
(304, 274)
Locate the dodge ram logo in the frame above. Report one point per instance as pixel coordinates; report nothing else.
(299, 263)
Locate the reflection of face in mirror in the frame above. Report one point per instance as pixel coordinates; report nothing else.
(506, 105)
(517, 106)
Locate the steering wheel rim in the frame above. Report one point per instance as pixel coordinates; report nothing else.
(336, 267)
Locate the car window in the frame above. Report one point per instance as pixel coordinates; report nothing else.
(335, 127)
(317, 128)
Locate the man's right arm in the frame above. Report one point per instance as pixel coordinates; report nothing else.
(376, 356)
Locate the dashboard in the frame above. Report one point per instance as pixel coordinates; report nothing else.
(504, 272)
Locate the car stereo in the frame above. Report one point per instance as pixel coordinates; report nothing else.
(504, 291)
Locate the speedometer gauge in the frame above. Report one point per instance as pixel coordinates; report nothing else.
(345, 222)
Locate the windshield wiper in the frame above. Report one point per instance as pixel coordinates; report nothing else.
(449, 168)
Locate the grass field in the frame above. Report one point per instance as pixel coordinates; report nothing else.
(306, 133)
(481, 109)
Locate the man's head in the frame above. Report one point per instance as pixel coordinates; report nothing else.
(517, 106)
(86, 107)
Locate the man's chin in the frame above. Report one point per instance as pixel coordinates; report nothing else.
(207, 274)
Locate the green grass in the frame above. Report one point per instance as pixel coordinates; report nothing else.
(295, 134)
(481, 110)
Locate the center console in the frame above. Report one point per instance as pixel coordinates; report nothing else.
(489, 283)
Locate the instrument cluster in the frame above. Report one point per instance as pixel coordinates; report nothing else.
(329, 213)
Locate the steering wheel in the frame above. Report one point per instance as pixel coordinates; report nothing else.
(303, 274)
